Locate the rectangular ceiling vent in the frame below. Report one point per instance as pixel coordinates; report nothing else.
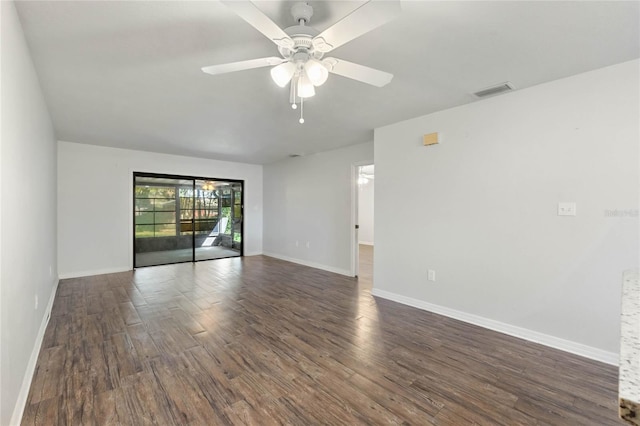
(494, 90)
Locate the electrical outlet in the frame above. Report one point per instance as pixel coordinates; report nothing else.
(431, 275)
(566, 209)
(36, 304)
(50, 271)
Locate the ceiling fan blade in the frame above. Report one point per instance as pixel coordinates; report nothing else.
(357, 72)
(367, 17)
(261, 22)
(242, 65)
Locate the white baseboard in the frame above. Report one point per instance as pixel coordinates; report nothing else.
(366, 243)
(18, 409)
(511, 330)
(310, 264)
(253, 253)
(94, 272)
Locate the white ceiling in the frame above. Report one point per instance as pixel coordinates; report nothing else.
(127, 74)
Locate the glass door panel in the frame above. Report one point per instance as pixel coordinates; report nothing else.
(215, 219)
(183, 219)
(157, 239)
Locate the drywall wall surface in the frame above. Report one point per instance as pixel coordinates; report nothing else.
(28, 223)
(308, 200)
(481, 208)
(365, 212)
(95, 184)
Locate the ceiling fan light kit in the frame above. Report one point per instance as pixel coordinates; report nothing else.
(283, 73)
(305, 88)
(316, 72)
(302, 47)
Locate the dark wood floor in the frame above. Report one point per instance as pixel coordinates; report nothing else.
(262, 341)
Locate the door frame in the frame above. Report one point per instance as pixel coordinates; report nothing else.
(132, 198)
(355, 253)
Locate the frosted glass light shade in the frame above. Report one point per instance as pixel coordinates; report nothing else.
(282, 74)
(317, 72)
(305, 87)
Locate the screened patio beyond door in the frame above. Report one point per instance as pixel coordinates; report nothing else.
(183, 219)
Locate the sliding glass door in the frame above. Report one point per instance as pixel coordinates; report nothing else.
(184, 219)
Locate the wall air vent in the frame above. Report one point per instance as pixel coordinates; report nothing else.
(494, 90)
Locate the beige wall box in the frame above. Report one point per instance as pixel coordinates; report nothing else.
(430, 139)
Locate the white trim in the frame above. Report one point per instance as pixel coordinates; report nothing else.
(511, 330)
(18, 409)
(354, 258)
(353, 188)
(253, 253)
(94, 272)
(366, 243)
(310, 264)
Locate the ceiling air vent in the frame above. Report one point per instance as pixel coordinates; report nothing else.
(494, 90)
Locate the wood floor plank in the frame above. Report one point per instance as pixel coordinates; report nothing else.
(143, 343)
(110, 408)
(129, 314)
(77, 401)
(49, 374)
(260, 341)
(147, 402)
(47, 412)
(121, 357)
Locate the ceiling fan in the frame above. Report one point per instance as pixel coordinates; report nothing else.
(302, 48)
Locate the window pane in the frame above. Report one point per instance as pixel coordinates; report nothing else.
(165, 217)
(209, 214)
(165, 204)
(144, 218)
(186, 227)
(202, 213)
(165, 230)
(186, 208)
(205, 226)
(144, 231)
(162, 192)
(143, 204)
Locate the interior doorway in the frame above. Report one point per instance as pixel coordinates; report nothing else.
(365, 229)
(185, 219)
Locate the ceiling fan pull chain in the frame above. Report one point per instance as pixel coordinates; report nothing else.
(301, 111)
(292, 95)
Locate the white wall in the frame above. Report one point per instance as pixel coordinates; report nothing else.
(309, 199)
(28, 222)
(95, 228)
(365, 212)
(481, 208)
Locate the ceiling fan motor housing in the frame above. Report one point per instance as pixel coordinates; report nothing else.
(302, 11)
(302, 37)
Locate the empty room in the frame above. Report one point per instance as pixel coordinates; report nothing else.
(325, 212)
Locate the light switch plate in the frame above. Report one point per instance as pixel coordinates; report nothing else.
(566, 209)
